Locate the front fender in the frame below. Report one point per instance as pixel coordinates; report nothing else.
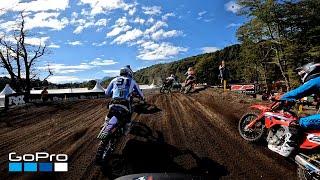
(260, 107)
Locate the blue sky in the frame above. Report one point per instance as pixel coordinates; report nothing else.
(91, 39)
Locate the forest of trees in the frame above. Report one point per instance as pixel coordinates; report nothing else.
(278, 37)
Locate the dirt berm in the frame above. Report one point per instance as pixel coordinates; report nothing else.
(195, 134)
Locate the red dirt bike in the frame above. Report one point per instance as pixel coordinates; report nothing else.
(272, 124)
(189, 85)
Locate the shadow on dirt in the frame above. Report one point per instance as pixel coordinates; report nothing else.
(145, 108)
(197, 90)
(151, 154)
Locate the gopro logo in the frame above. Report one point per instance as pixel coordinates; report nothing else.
(30, 162)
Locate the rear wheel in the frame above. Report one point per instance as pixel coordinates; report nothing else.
(188, 89)
(255, 133)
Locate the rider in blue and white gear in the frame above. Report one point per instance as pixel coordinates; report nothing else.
(123, 86)
(121, 89)
(310, 76)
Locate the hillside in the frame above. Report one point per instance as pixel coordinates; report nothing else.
(206, 66)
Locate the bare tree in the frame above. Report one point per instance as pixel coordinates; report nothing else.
(19, 57)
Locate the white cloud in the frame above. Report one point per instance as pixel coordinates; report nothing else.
(104, 6)
(34, 6)
(121, 21)
(156, 26)
(202, 13)
(101, 62)
(62, 79)
(166, 16)
(9, 26)
(52, 45)
(99, 44)
(161, 34)
(153, 10)
(128, 36)
(74, 15)
(209, 49)
(36, 41)
(139, 20)
(117, 30)
(233, 25)
(75, 43)
(67, 69)
(86, 22)
(101, 22)
(150, 20)
(46, 20)
(111, 73)
(163, 51)
(132, 11)
(232, 6)
(78, 30)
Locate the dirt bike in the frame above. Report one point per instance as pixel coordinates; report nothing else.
(188, 87)
(166, 87)
(112, 131)
(272, 124)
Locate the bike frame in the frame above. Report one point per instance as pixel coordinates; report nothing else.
(272, 118)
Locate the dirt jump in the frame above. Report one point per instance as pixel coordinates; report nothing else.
(192, 134)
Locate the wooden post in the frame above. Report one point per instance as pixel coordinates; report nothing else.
(224, 85)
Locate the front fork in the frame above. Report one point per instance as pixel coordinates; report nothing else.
(304, 161)
(252, 123)
(108, 128)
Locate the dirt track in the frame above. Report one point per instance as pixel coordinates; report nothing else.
(194, 134)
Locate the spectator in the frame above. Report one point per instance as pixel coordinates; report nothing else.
(44, 95)
(223, 73)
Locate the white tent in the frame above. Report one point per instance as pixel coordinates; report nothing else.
(152, 85)
(7, 90)
(97, 88)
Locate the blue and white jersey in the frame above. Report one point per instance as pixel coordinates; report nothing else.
(310, 87)
(122, 88)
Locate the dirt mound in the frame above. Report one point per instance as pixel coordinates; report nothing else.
(194, 134)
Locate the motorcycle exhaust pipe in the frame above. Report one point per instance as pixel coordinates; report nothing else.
(301, 161)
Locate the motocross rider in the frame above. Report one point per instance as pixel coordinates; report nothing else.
(121, 89)
(310, 76)
(190, 76)
(170, 80)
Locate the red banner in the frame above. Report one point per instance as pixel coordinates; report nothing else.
(242, 87)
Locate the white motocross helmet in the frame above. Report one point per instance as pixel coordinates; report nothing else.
(309, 71)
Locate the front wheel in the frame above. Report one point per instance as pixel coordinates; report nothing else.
(254, 134)
(104, 149)
(162, 89)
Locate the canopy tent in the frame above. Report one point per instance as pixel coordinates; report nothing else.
(152, 85)
(7, 90)
(97, 88)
